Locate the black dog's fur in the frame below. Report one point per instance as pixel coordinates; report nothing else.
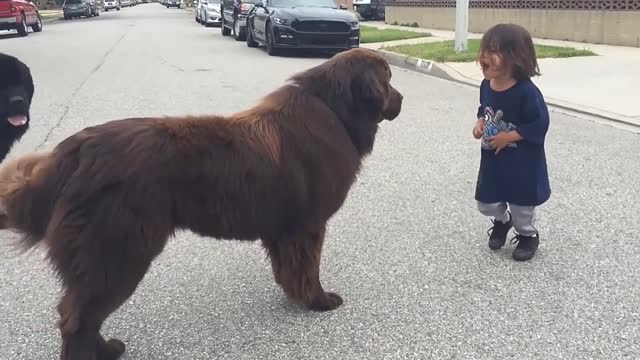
(15, 83)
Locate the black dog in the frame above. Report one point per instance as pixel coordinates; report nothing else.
(16, 92)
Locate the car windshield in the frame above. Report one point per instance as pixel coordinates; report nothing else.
(73, 2)
(304, 3)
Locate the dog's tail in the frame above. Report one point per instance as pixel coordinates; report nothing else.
(26, 198)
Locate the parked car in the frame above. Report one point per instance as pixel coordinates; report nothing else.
(199, 4)
(112, 4)
(77, 8)
(369, 9)
(302, 24)
(95, 7)
(234, 16)
(172, 3)
(19, 15)
(210, 13)
(126, 3)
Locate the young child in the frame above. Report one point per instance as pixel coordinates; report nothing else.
(512, 122)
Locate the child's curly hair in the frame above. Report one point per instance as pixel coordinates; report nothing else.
(515, 46)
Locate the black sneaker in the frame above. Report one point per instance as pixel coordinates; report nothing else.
(527, 247)
(498, 233)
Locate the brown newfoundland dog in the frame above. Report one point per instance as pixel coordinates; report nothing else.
(106, 199)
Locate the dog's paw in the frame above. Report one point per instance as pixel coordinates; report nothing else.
(111, 350)
(326, 302)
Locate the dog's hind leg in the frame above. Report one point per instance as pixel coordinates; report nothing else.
(84, 308)
(295, 260)
(99, 273)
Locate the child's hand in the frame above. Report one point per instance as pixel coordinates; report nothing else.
(478, 129)
(502, 139)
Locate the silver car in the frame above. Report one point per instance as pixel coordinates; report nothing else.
(112, 4)
(208, 13)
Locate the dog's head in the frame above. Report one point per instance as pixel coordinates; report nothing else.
(16, 93)
(356, 85)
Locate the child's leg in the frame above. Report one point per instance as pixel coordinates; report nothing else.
(524, 218)
(501, 225)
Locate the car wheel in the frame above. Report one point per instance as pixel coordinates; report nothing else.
(225, 30)
(37, 27)
(271, 48)
(249, 35)
(237, 32)
(22, 27)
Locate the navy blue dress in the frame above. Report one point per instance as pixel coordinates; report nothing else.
(518, 174)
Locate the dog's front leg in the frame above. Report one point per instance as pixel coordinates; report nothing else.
(295, 260)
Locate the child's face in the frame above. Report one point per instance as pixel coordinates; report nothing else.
(492, 65)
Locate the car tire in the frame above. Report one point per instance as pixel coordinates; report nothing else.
(225, 30)
(237, 33)
(23, 30)
(37, 27)
(271, 49)
(249, 37)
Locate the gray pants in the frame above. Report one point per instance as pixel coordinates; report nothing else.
(523, 217)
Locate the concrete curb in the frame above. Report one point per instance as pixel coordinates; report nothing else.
(432, 68)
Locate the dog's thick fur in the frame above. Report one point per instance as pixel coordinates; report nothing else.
(106, 199)
(16, 93)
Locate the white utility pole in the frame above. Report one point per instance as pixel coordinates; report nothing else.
(462, 25)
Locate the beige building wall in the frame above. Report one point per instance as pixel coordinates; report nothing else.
(598, 27)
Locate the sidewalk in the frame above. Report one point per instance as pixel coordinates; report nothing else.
(607, 85)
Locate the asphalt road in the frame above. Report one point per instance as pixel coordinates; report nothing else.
(407, 251)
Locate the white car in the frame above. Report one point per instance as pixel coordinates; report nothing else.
(208, 13)
(111, 4)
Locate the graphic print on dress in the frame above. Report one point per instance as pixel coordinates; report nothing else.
(493, 124)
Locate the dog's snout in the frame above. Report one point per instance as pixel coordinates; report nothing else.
(16, 100)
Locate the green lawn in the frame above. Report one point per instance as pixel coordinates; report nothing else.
(443, 51)
(370, 34)
(51, 15)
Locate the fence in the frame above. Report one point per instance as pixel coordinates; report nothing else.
(615, 22)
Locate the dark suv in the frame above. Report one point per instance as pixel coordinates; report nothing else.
(234, 17)
(77, 8)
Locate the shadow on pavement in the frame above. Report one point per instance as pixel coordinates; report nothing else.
(9, 35)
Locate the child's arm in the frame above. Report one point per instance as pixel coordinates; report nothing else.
(535, 118)
(479, 128)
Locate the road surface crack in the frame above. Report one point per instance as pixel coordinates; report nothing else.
(169, 64)
(75, 92)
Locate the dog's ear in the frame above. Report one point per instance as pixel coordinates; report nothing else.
(369, 93)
